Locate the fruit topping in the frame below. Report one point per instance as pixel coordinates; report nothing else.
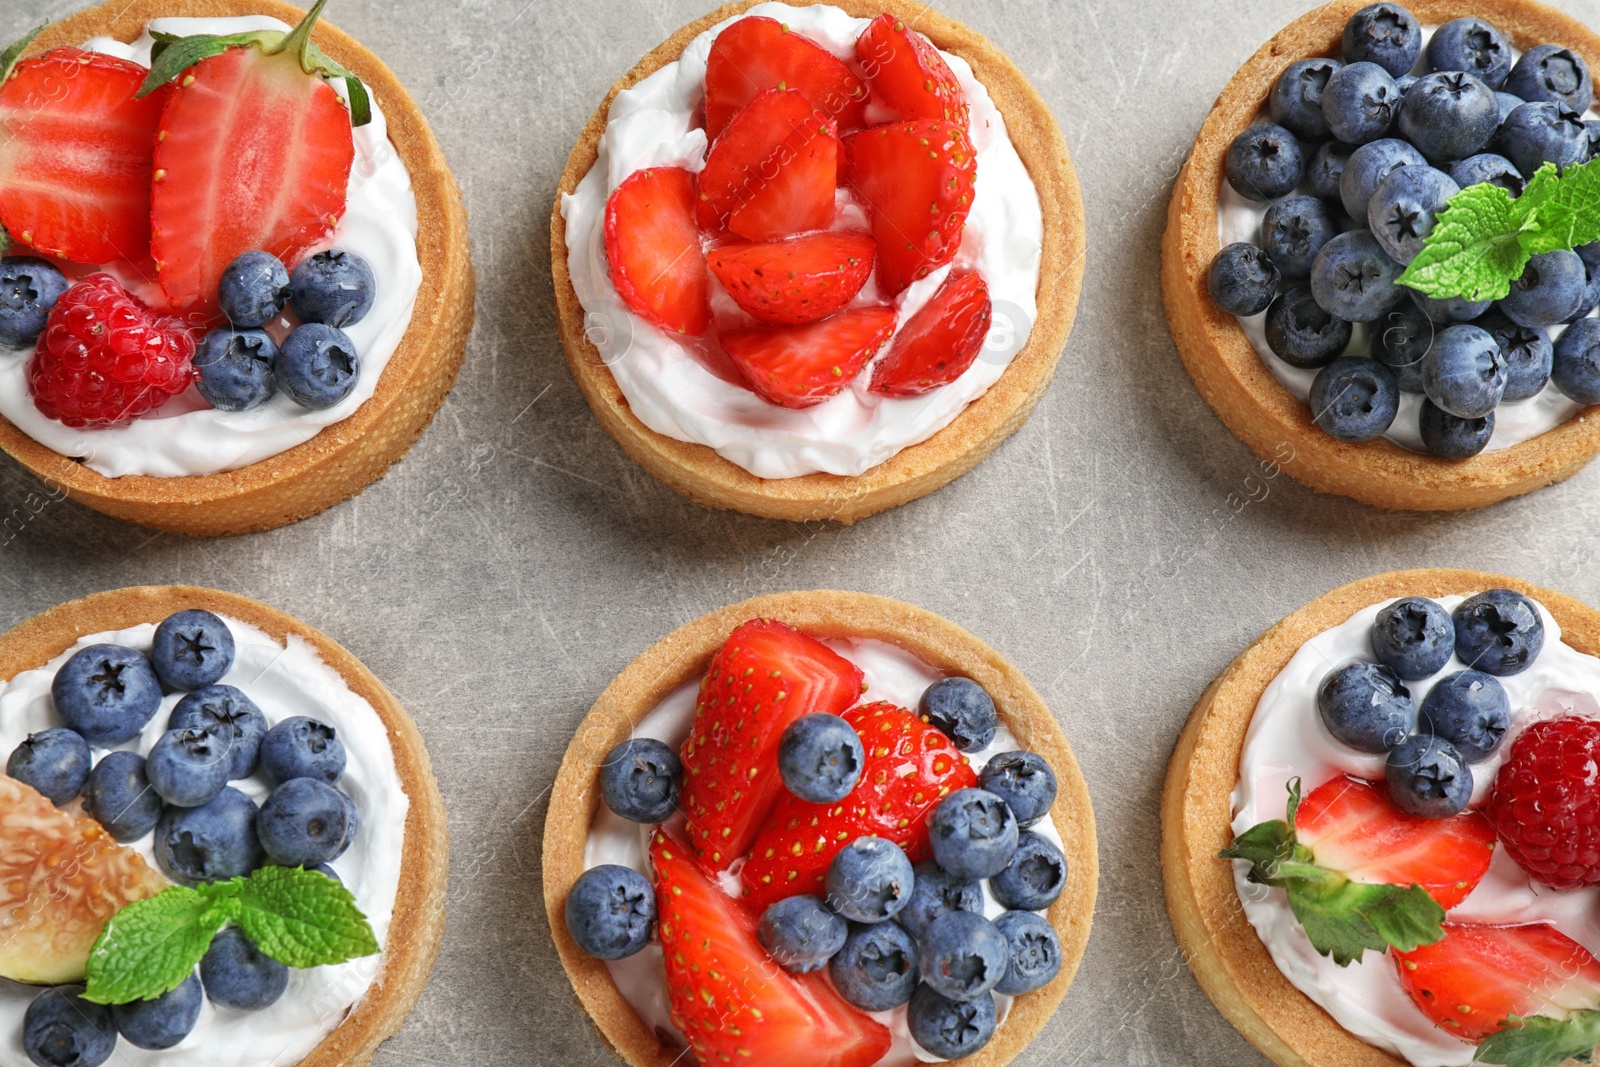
(1034, 878)
(639, 780)
(1035, 952)
(1575, 362)
(191, 650)
(1499, 632)
(1366, 707)
(801, 933)
(772, 172)
(869, 880)
(317, 366)
(1355, 399)
(106, 693)
(755, 54)
(1428, 776)
(653, 247)
(1546, 802)
(211, 843)
(61, 1029)
(1449, 115)
(232, 718)
(1414, 638)
(962, 956)
(233, 368)
(302, 747)
(795, 281)
(55, 762)
(1385, 34)
(237, 974)
(1264, 162)
(916, 178)
(305, 822)
(1550, 73)
(950, 1028)
(254, 289)
(161, 1022)
(940, 341)
(908, 74)
(29, 288)
(877, 968)
(1470, 710)
(333, 287)
(611, 911)
(1243, 280)
(1296, 98)
(973, 833)
(801, 366)
(934, 892)
(820, 758)
(1024, 781)
(961, 709)
(118, 796)
(187, 768)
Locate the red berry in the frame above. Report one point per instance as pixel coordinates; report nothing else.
(941, 341)
(771, 173)
(105, 358)
(908, 74)
(796, 281)
(756, 53)
(1546, 802)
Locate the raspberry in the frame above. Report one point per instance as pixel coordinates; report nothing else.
(105, 358)
(1546, 802)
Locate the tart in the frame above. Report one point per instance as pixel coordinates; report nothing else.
(869, 473)
(890, 639)
(343, 457)
(364, 1002)
(1252, 401)
(1212, 774)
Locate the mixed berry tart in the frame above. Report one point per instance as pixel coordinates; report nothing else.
(819, 828)
(221, 842)
(1371, 262)
(1378, 829)
(236, 282)
(816, 261)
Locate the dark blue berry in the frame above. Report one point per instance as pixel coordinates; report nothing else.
(235, 368)
(1549, 291)
(869, 880)
(1035, 952)
(933, 892)
(1366, 706)
(1551, 73)
(1450, 436)
(610, 911)
(1361, 102)
(820, 758)
(962, 955)
(1575, 362)
(1296, 100)
(336, 288)
(1465, 372)
(1426, 776)
(1498, 632)
(1264, 162)
(1508, 103)
(306, 821)
(1536, 134)
(1591, 294)
(801, 934)
(236, 974)
(187, 767)
(192, 649)
(1470, 710)
(118, 796)
(1449, 309)
(1355, 399)
(29, 288)
(973, 833)
(639, 780)
(1294, 230)
(1449, 115)
(949, 1028)
(1242, 279)
(1385, 34)
(237, 726)
(1490, 168)
(1414, 638)
(1400, 340)
(1325, 169)
(212, 843)
(1528, 355)
(61, 1029)
(253, 289)
(877, 968)
(1035, 876)
(1301, 333)
(162, 1022)
(962, 710)
(1354, 279)
(107, 693)
(1474, 46)
(1366, 169)
(1404, 208)
(55, 762)
(1024, 781)
(302, 747)
(317, 366)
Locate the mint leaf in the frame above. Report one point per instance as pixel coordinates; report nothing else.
(1476, 247)
(1538, 1041)
(151, 947)
(303, 918)
(1565, 208)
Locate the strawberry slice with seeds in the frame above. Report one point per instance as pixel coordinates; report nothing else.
(801, 366)
(654, 248)
(910, 766)
(916, 180)
(773, 170)
(75, 156)
(941, 340)
(764, 677)
(758, 53)
(731, 1002)
(800, 280)
(908, 74)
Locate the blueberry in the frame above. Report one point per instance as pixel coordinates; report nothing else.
(1035, 952)
(1404, 208)
(1355, 399)
(118, 796)
(1474, 46)
(639, 780)
(187, 768)
(1498, 632)
(1366, 169)
(1450, 436)
(1465, 372)
(1591, 295)
(820, 758)
(107, 693)
(162, 1022)
(877, 968)
(1589, 253)
(1303, 335)
(1508, 103)
(1414, 639)
(610, 911)
(1528, 354)
(1242, 279)
(1264, 162)
(301, 747)
(962, 710)
(869, 880)
(236, 974)
(1449, 115)
(29, 288)
(235, 368)
(1353, 278)
(1024, 781)
(61, 1029)
(1361, 102)
(253, 289)
(1400, 340)
(1366, 707)
(1552, 74)
(1294, 231)
(962, 955)
(1326, 168)
(1449, 309)
(317, 366)
(801, 934)
(1035, 876)
(1426, 776)
(1536, 134)
(306, 821)
(192, 649)
(326, 871)
(1296, 100)
(1549, 291)
(1575, 362)
(235, 723)
(950, 1029)
(1470, 710)
(1488, 167)
(333, 287)
(933, 892)
(55, 762)
(212, 843)
(973, 833)
(1385, 34)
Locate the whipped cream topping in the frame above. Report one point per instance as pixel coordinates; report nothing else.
(284, 680)
(891, 674)
(655, 123)
(1287, 740)
(187, 436)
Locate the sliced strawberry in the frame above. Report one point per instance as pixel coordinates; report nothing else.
(729, 999)
(773, 170)
(654, 249)
(75, 148)
(910, 767)
(801, 366)
(908, 74)
(765, 676)
(759, 53)
(916, 179)
(793, 282)
(941, 340)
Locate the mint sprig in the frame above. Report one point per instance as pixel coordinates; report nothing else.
(1537, 1041)
(1341, 918)
(299, 918)
(1484, 237)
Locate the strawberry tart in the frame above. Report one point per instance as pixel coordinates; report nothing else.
(819, 828)
(814, 261)
(1378, 828)
(236, 282)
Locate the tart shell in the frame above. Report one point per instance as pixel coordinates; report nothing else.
(343, 459)
(419, 907)
(1228, 959)
(698, 472)
(1231, 375)
(682, 656)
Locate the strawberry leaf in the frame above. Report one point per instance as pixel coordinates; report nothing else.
(1538, 1041)
(1475, 249)
(13, 52)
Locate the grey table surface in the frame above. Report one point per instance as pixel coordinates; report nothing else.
(516, 560)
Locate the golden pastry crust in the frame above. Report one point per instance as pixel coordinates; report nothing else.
(1227, 958)
(348, 456)
(419, 907)
(682, 656)
(696, 471)
(1231, 375)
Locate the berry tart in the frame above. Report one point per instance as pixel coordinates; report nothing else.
(1370, 264)
(1378, 828)
(819, 828)
(256, 844)
(205, 328)
(817, 261)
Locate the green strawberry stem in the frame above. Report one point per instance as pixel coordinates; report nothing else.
(1538, 1041)
(13, 52)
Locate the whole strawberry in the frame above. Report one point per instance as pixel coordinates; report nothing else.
(105, 358)
(1546, 802)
